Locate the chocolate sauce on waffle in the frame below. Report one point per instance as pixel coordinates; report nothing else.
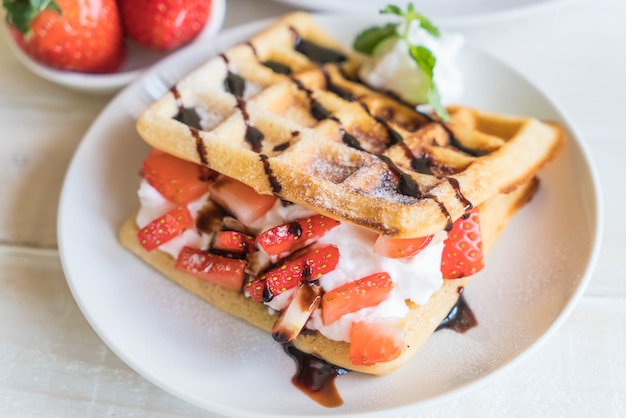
(467, 205)
(281, 147)
(200, 147)
(318, 111)
(274, 184)
(333, 88)
(253, 136)
(406, 185)
(394, 138)
(277, 67)
(234, 84)
(189, 117)
(316, 377)
(422, 164)
(454, 141)
(186, 115)
(460, 318)
(313, 51)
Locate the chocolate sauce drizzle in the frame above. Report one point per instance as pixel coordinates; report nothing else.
(277, 67)
(460, 318)
(315, 52)
(318, 111)
(333, 88)
(315, 377)
(236, 85)
(253, 136)
(274, 184)
(454, 141)
(467, 205)
(295, 229)
(190, 117)
(406, 185)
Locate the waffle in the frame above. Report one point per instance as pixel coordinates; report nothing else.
(285, 113)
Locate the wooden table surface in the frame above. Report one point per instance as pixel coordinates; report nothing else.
(53, 364)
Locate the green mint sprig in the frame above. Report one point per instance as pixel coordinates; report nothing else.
(368, 41)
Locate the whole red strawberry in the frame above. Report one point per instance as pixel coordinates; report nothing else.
(164, 24)
(75, 35)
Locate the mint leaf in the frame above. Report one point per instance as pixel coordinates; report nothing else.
(435, 101)
(427, 25)
(392, 10)
(426, 61)
(367, 41)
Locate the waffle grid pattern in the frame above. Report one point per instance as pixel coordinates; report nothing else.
(285, 114)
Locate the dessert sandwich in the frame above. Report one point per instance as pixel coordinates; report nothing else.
(286, 190)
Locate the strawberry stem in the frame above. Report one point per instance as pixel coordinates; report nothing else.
(21, 13)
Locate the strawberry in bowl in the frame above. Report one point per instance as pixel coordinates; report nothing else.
(94, 54)
(69, 35)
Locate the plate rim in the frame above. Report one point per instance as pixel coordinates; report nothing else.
(454, 19)
(598, 224)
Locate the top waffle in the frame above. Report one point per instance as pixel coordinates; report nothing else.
(285, 114)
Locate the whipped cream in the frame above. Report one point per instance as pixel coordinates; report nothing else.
(415, 279)
(392, 69)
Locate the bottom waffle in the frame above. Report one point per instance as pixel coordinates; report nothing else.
(420, 323)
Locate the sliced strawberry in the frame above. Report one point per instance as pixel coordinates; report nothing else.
(165, 228)
(177, 180)
(463, 249)
(293, 318)
(233, 242)
(308, 266)
(256, 288)
(227, 272)
(289, 237)
(355, 295)
(241, 200)
(401, 247)
(376, 342)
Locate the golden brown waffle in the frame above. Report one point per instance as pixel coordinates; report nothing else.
(318, 137)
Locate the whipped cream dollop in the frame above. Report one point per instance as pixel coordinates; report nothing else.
(391, 68)
(414, 279)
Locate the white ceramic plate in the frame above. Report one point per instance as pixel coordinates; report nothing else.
(138, 59)
(533, 276)
(453, 11)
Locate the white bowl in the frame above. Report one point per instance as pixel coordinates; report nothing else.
(138, 59)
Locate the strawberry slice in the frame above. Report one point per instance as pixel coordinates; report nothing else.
(177, 180)
(401, 247)
(463, 249)
(233, 242)
(293, 318)
(240, 199)
(226, 272)
(256, 289)
(165, 228)
(307, 266)
(291, 236)
(376, 342)
(355, 295)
